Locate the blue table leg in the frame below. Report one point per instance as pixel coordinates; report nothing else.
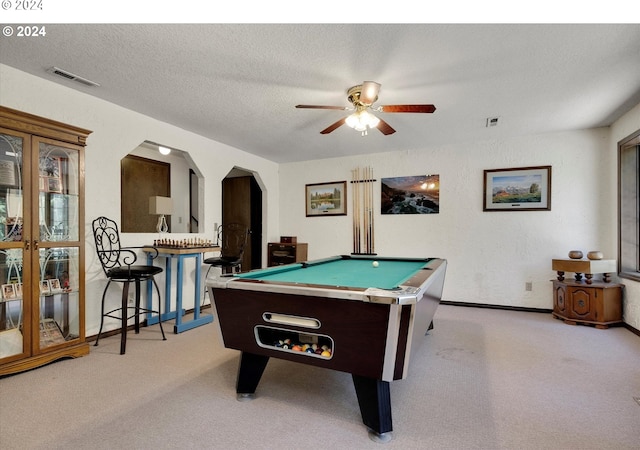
(168, 313)
(198, 318)
(196, 296)
(179, 278)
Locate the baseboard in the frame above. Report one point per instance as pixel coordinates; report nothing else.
(131, 327)
(520, 308)
(508, 308)
(633, 330)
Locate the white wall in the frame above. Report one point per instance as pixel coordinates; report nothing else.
(491, 255)
(116, 132)
(624, 127)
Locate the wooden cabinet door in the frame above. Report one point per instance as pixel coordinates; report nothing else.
(582, 306)
(559, 298)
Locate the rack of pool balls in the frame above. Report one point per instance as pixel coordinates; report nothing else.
(315, 349)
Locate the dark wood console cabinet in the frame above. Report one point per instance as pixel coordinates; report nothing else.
(597, 303)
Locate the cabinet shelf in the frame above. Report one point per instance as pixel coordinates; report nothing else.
(280, 253)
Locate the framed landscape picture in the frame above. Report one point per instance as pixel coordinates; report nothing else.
(518, 189)
(326, 199)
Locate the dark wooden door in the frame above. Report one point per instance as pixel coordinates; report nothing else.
(242, 203)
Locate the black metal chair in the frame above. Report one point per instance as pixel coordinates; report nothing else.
(119, 265)
(233, 237)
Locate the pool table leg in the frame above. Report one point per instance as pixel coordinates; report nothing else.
(375, 406)
(249, 374)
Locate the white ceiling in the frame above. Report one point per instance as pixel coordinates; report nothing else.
(239, 83)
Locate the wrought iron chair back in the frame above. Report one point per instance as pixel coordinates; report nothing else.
(119, 265)
(234, 237)
(234, 240)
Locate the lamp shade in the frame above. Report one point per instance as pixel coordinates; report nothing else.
(160, 205)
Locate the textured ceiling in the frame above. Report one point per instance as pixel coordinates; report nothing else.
(239, 84)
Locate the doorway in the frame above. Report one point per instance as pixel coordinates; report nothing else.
(242, 203)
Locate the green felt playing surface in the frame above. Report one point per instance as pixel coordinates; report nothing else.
(355, 273)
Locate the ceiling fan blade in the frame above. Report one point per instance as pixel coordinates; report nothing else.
(407, 108)
(369, 92)
(322, 107)
(385, 128)
(332, 127)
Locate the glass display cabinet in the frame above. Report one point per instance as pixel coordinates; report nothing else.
(41, 241)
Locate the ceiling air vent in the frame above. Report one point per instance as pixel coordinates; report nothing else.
(492, 121)
(70, 76)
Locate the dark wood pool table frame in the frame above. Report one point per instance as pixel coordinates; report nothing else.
(388, 323)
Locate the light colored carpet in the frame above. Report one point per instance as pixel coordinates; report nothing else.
(483, 379)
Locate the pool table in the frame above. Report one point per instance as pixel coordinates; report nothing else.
(362, 315)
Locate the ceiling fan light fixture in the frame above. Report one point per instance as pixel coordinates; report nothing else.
(362, 97)
(369, 92)
(362, 120)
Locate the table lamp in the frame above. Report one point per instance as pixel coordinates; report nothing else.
(161, 206)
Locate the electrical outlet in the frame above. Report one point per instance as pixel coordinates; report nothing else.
(528, 286)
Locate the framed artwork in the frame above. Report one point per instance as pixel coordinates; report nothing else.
(18, 289)
(54, 185)
(7, 173)
(50, 170)
(45, 289)
(54, 284)
(517, 189)
(418, 194)
(49, 166)
(13, 229)
(50, 333)
(326, 199)
(8, 292)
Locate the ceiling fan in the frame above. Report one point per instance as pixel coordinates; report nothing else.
(362, 97)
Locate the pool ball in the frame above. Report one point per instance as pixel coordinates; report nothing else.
(375, 264)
